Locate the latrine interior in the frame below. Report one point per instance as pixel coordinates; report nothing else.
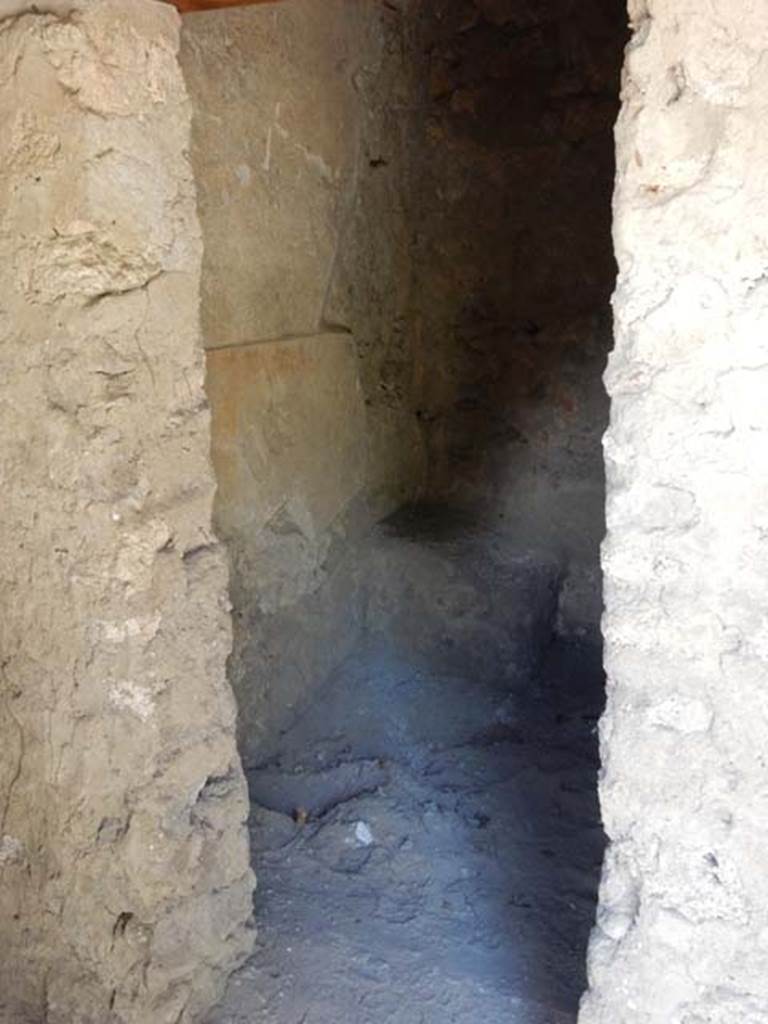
(406, 305)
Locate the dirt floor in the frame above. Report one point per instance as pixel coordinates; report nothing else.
(428, 849)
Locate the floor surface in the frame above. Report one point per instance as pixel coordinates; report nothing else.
(428, 850)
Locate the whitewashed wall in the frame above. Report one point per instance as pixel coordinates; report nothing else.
(682, 934)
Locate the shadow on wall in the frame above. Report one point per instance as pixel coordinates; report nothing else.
(514, 263)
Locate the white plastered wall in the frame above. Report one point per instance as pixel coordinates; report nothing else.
(682, 931)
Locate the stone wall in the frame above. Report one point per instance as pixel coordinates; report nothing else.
(125, 889)
(682, 933)
(513, 267)
(290, 454)
(300, 158)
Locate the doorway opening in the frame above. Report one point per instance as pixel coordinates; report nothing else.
(408, 268)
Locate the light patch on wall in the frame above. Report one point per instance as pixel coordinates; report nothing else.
(137, 700)
(243, 174)
(13, 8)
(681, 715)
(136, 558)
(11, 850)
(143, 628)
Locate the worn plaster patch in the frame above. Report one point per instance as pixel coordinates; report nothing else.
(14, 8)
(28, 143)
(98, 61)
(681, 715)
(11, 850)
(84, 259)
(136, 557)
(144, 628)
(136, 699)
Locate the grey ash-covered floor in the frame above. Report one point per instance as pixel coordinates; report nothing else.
(448, 865)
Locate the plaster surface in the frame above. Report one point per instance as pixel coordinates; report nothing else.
(289, 446)
(125, 889)
(301, 152)
(301, 157)
(682, 930)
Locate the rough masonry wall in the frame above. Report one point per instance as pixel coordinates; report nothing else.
(125, 889)
(682, 932)
(513, 266)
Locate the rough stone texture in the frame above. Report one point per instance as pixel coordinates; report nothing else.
(124, 880)
(682, 935)
(290, 455)
(513, 266)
